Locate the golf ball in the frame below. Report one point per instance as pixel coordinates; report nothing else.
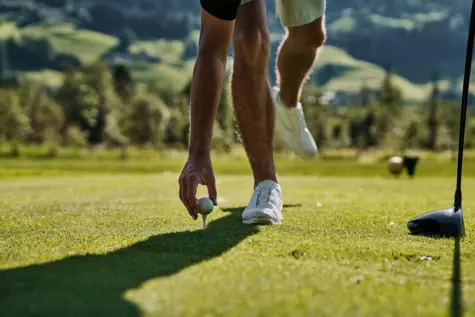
(206, 205)
(395, 165)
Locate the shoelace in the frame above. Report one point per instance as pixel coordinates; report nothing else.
(263, 195)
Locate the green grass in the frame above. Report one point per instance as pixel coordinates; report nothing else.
(169, 51)
(65, 38)
(49, 78)
(330, 163)
(353, 73)
(122, 245)
(358, 72)
(89, 45)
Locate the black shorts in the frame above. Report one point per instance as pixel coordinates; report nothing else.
(221, 9)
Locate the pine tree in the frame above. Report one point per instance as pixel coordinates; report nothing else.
(389, 108)
(390, 95)
(433, 121)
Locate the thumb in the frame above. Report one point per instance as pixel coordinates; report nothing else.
(211, 184)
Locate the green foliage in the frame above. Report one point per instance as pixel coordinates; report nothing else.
(412, 136)
(177, 129)
(225, 117)
(315, 114)
(389, 110)
(451, 119)
(114, 131)
(48, 118)
(148, 119)
(14, 123)
(14, 118)
(433, 117)
(69, 97)
(219, 140)
(123, 83)
(101, 105)
(74, 137)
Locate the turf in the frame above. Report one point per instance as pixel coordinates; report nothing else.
(330, 163)
(122, 245)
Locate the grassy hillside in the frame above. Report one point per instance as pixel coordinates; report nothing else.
(349, 74)
(66, 38)
(415, 39)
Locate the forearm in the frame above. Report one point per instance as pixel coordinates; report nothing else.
(207, 81)
(207, 84)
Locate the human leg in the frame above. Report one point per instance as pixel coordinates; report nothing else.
(305, 34)
(255, 111)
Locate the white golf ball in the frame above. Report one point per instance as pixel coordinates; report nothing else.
(395, 165)
(206, 205)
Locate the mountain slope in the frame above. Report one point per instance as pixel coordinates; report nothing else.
(415, 38)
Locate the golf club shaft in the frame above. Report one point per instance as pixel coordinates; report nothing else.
(463, 110)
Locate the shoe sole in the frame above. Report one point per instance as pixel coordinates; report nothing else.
(260, 221)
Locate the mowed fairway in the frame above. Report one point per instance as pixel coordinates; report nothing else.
(123, 245)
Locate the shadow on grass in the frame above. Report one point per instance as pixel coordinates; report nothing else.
(456, 305)
(94, 285)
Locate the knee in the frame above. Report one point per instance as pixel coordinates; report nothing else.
(310, 36)
(252, 47)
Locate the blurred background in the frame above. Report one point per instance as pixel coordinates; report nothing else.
(109, 80)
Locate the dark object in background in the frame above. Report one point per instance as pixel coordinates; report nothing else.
(121, 74)
(410, 163)
(449, 222)
(122, 80)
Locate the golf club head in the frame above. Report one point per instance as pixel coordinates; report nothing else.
(440, 223)
(410, 163)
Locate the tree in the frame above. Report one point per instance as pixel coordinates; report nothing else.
(432, 120)
(363, 125)
(48, 118)
(126, 38)
(451, 121)
(74, 138)
(85, 99)
(123, 83)
(177, 129)
(390, 95)
(14, 123)
(69, 98)
(365, 95)
(224, 116)
(315, 113)
(411, 136)
(389, 108)
(148, 120)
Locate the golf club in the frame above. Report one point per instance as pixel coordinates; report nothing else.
(449, 222)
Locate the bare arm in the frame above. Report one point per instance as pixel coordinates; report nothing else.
(206, 87)
(208, 78)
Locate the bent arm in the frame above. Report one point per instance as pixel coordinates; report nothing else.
(208, 76)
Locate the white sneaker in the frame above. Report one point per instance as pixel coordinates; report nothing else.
(266, 205)
(293, 127)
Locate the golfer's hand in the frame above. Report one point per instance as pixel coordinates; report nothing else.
(197, 170)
